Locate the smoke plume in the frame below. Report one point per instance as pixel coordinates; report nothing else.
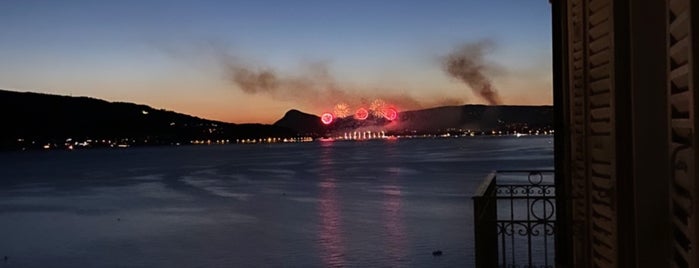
(313, 84)
(255, 81)
(466, 64)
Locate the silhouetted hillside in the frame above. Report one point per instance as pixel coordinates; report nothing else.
(477, 117)
(301, 122)
(33, 119)
(433, 120)
(51, 118)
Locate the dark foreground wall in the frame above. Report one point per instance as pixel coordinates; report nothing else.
(626, 104)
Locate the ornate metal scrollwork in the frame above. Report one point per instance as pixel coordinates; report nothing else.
(524, 220)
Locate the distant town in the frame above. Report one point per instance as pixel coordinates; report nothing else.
(73, 144)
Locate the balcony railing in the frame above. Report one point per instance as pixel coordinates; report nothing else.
(514, 219)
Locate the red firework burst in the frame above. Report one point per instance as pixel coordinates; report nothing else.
(361, 114)
(327, 118)
(390, 114)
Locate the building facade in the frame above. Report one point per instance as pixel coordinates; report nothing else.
(626, 139)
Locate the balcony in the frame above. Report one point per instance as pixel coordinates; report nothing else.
(514, 219)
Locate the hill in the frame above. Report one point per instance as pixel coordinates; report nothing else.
(43, 118)
(32, 120)
(301, 123)
(433, 120)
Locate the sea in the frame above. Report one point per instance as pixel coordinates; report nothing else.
(374, 203)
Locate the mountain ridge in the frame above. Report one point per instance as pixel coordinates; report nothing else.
(48, 118)
(474, 117)
(30, 119)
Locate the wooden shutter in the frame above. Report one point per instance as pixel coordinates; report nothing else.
(579, 193)
(592, 131)
(601, 133)
(682, 108)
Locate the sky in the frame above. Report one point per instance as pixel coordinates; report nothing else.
(179, 55)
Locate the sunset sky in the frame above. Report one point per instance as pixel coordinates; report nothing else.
(177, 55)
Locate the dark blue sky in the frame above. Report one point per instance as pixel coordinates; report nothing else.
(160, 52)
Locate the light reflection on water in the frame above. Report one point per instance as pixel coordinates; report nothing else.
(331, 236)
(340, 204)
(392, 215)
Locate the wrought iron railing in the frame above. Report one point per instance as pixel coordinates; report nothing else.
(514, 219)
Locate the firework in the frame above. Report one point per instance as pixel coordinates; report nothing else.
(377, 107)
(361, 114)
(341, 110)
(390, 113)
(327, 118)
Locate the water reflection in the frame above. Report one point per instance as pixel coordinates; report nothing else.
(392, 214)
(392, 211)
(373, 203)
(331, 235)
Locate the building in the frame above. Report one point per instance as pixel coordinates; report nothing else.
(625, 74)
